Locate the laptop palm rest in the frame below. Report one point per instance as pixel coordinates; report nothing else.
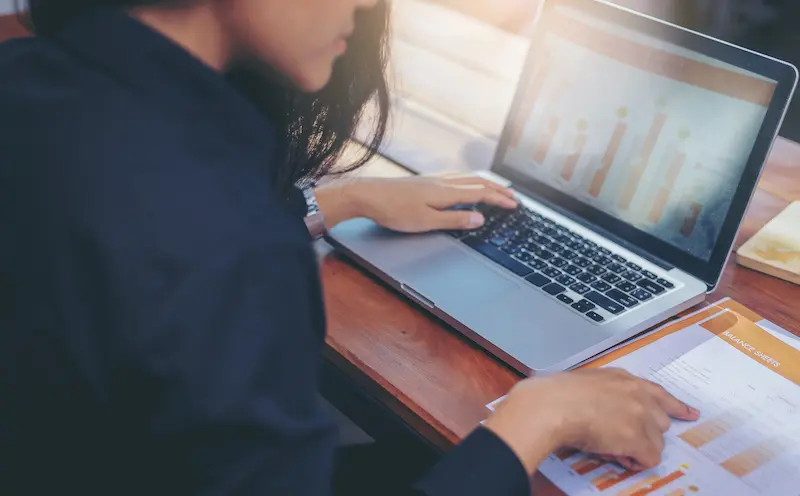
(450, 276)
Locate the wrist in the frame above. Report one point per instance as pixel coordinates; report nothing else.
(531, 435)
(341, 202)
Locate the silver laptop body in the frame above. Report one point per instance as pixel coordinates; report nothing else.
(625, 221)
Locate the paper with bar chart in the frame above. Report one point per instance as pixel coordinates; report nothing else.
(652, 134)
(743, 377)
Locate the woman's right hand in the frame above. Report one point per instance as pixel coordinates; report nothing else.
(607, 412)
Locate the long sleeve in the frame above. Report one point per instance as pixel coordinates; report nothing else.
(481, 464)
(162, 317)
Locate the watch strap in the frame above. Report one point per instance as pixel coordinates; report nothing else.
(314, 219)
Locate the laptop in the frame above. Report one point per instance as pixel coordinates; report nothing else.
(634, 147)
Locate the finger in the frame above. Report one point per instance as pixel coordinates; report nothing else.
(660, 419)
(454, 219)
(629, 463)
(671, 405)
(652, 456)
(475, 180)
(472, 193)
(646, 449)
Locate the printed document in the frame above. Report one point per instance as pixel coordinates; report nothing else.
(743, 374)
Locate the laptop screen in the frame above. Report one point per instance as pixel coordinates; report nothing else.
(636, 126)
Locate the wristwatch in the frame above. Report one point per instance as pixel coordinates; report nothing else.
(315, 221)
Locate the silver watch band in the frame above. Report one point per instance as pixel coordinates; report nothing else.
(315, 223)
(315, 220)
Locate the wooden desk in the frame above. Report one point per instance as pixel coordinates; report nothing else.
(11, 28)
(437, 382)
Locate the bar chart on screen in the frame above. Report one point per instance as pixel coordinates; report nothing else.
(629, 129)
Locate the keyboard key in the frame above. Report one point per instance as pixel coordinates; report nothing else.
(554, 288)
(544, 254)
(499, 257)
(575, 245)
(601, 286)
(633, 266)
(551, 272)
(511, 249)
(641, 294)
(619, 258)
(616, 268)
(580, 288)
(590, 243)
(649, 275)
(531, 247)
(573, 270)
(537, 264)
(588, 252)
(568, 254)
(565, 299)
(596, 270)
(553, 246)
(561, 238)
(582, 262)
(611, 278)
(595, 316)
(586, 278)
(539, 239)
(626, 286)
(565, 280)
(605, 303)
(584, 306)
(631, 276)
(604, 251)
(665, 283)
(601, 260)
(559, 262)
(498, 241)
(523, 256)
(651, 286)
(537, 279)
(620, 297)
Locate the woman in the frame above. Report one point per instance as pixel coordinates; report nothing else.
(161, 317)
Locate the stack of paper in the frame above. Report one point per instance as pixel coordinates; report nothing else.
(743, 374)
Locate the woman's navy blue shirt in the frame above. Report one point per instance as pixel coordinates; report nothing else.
(161, 319)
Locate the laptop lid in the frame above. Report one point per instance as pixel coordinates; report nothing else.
(648, 133)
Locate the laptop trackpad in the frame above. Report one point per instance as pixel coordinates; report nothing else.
(453, 277)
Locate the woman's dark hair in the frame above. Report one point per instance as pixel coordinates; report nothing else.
(316, 126)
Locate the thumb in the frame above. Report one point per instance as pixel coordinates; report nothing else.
(455, 219)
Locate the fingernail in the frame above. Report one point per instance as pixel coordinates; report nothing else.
(694, 412)
(475, 220)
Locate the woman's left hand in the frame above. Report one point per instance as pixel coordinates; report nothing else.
(414, 204)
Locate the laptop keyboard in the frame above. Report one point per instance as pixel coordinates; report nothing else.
(590, 279)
